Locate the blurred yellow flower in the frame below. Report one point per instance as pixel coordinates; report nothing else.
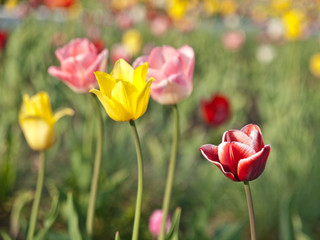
(177, 8)
(211, 6)
(10, 4)
(120, 5)
(132, 40)
(294, 24)
(280, 6)
(125, 92)
(314, 64)
(228, 7)
(37, 121)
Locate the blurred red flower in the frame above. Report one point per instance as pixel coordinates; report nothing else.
(3, 39)
(99, 44)
(59, 3)
(216, 111)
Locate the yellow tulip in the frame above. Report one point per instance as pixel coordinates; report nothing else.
(125, 92)
(37, 121)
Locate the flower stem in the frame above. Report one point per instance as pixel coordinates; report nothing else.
(172, 165)
(96, 173)
(37, 197)
(251, 211)
(137, 214)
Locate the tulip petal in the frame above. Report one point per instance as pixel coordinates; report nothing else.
(254, 132)
(236, 136)
(99, 64)
(62, 113)
(173, 66)
(241, 151)
(156, 74)
(226, 157)
(140, 76)
(38, 106)
(139, 61)
(119, 94)
(188, 59)
(172, 91)
(106, 82)
(38, 132)
(210, 152)
(122, 71)
(114, 109)
(143, 100)
(252, 167)
(156, 59)
(169, 52)
(58, 73)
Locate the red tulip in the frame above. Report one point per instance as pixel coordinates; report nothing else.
(3, 39)
(242, 154)
(216, 111)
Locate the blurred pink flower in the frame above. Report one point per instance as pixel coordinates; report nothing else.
(79, 59)
(124, 20)
(233, 40)
(120, 51)
(159, 25)
(155, 222)
(173, 73)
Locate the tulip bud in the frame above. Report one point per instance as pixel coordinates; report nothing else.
(37, 121)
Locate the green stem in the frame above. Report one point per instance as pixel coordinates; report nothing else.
(37, 197)
(251, 211)
(96, 173)
(135, 232)
(172, 165)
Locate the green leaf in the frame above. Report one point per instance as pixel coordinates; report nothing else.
(48, 222)
(299, 231)
(229, 232)
(15, 217)
(5, 236)
(286, 225)
(174, 231)
(73, 222)
(117, 237)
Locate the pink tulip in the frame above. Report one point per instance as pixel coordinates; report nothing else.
(79, 59)
(155, 222)
(173, 72)
(241, 156)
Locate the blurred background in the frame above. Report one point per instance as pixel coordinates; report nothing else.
(256, 62)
